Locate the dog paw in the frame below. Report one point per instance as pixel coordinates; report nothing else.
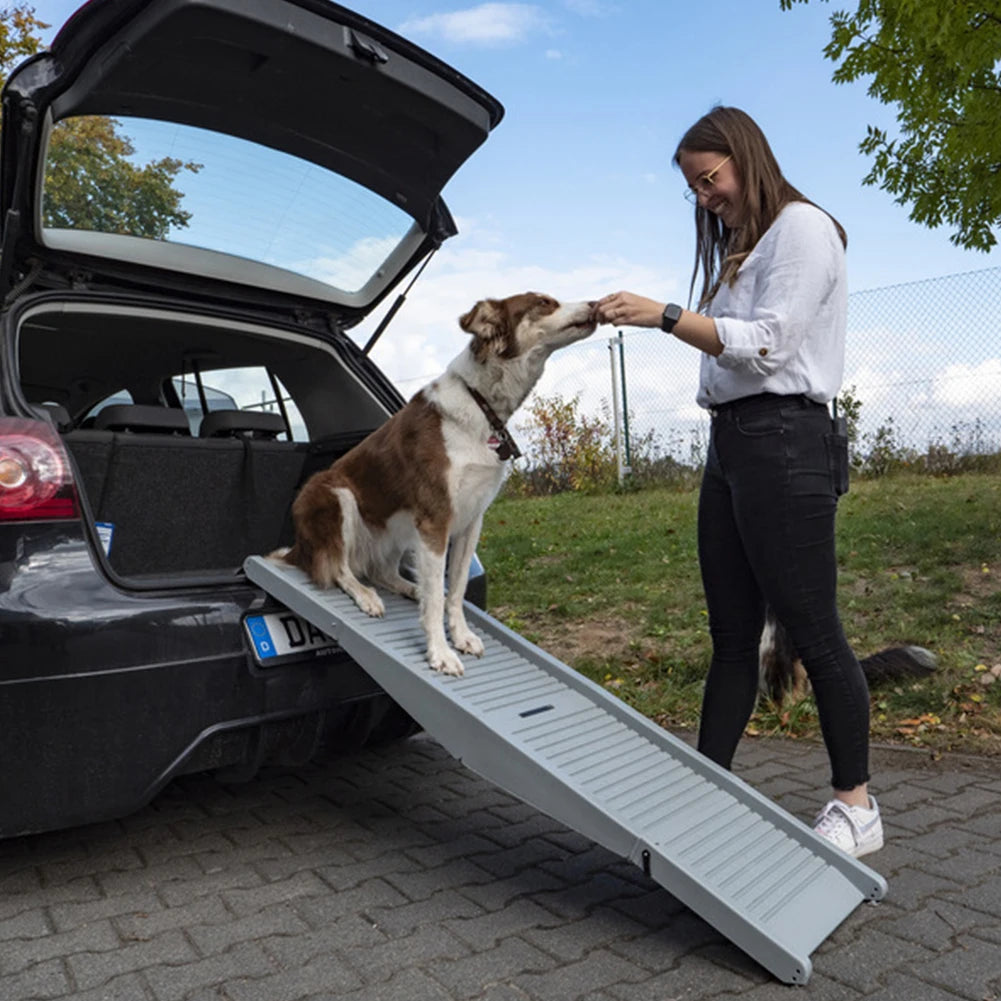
(446, 662)
(466, 641)
(370, 603)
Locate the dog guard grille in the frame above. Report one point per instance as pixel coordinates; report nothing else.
(533, 726)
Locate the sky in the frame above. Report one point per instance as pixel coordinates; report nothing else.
(574, 193)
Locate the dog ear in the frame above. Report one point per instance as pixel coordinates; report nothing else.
(487, 322)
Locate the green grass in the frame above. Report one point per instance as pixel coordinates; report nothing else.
(611, 585)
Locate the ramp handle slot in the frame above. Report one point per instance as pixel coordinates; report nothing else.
(535, 711)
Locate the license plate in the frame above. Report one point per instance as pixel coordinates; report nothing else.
(283, 634)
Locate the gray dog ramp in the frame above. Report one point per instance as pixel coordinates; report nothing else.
(533, 726)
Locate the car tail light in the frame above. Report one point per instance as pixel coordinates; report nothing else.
(35, 478)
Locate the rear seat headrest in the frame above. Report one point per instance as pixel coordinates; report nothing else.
(54, 412)
(141, 418)
(241, 424)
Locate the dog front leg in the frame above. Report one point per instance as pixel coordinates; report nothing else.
(459, 560)
(431, 589)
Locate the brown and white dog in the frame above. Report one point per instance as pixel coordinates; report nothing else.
(424, 479)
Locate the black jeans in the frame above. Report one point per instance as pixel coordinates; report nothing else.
(766, 536)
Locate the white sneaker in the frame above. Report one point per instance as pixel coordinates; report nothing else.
(854, 829)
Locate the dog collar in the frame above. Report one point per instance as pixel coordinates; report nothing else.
(500, 441)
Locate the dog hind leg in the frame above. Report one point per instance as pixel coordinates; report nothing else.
(327, 536)
(384, 555)
(393, 581)
(341, 558)
(366, 598)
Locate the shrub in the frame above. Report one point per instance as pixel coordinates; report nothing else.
(566, 450)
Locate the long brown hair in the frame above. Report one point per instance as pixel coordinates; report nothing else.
(719, 250)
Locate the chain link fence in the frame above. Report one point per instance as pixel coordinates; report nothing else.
(922, 375)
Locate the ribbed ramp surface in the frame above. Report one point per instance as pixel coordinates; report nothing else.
(533, 726)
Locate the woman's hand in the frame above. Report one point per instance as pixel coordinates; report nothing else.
(624, 309)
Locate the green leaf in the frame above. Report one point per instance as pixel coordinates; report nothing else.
(938, 62)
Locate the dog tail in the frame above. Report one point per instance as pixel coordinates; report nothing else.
(779, 662)
(282, 555)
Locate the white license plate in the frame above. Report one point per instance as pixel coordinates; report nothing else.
(280, 634)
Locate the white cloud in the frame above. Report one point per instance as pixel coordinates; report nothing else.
(485, 24)
(876, 389)
(924, 398)
(425, 335)
(967, 386)
(887, 380)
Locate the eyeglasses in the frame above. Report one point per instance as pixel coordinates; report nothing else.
(704, 185)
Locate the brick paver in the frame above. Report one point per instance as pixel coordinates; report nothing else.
(397, 874)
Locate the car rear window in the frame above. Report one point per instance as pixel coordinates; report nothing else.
(195, 188)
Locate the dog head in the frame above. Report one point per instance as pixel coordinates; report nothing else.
(508, 328)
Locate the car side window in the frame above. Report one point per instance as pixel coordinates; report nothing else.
(247, 388)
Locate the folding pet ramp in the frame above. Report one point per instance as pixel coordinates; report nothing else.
(533, 726)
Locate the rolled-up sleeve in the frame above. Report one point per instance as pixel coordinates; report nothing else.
(779, 292)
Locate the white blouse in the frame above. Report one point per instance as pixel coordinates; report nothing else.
(782, 322)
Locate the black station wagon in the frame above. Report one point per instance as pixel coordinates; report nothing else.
(199, 200)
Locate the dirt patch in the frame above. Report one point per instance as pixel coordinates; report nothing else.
(597, 637)
(978, 583)
(981, 586)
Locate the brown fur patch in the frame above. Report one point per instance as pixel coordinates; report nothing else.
(401, 466)
(318, 540)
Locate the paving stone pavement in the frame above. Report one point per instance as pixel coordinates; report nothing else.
(397, 875)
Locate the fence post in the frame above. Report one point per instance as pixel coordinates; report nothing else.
(628, 464)
(619, 465)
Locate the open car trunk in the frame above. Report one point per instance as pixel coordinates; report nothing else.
(175, 495)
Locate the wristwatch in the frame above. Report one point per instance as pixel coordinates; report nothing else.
(672, 313)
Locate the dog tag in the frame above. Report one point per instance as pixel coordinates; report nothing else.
(502, 448)
(497, 445)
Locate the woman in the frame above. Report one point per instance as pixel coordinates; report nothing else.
(770, 324)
